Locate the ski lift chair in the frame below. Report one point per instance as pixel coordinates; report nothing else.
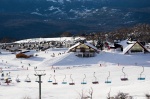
(27, 79)
(108, 79)
(55, 83)
(17, 79)
(2, 78)
(9, 77)
(50, 78)
(125, 77)
(83, 82)
(64, 82)
(142, 77)
(72, 83)
(95, 82)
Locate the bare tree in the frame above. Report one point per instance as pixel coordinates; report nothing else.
(109, 97)
(147, 96)
(26, 97)
(91, 93)
(122, 95)
(84, 95)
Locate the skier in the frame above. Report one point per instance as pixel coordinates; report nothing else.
(2, 75)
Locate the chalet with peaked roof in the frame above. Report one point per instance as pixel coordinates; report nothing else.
(130, 47)
(84, 49)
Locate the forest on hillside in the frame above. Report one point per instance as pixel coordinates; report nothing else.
(139, 32)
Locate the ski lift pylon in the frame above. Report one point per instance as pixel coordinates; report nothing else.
(37, 80)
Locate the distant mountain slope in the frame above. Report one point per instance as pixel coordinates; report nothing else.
(41, 18)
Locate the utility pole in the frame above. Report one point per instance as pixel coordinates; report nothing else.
(39, 73)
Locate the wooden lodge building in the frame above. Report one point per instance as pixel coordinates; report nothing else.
(130, 47)
(84, 49)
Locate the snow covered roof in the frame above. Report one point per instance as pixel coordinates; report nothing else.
(27, 52)
(123, 43)
(50, 39)
(77, 44)
(87, 44)
(90, 45)
(127, 45)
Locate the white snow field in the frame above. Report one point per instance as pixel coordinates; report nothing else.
(75, 68)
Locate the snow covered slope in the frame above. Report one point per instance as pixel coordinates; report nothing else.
(70, 65)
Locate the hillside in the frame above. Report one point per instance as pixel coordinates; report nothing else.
(22, 19)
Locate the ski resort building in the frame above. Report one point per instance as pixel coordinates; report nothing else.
(84, 49)
(131, 47)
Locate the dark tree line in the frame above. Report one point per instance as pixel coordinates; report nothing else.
(139, 32)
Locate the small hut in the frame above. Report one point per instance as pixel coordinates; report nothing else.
(25, 54)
